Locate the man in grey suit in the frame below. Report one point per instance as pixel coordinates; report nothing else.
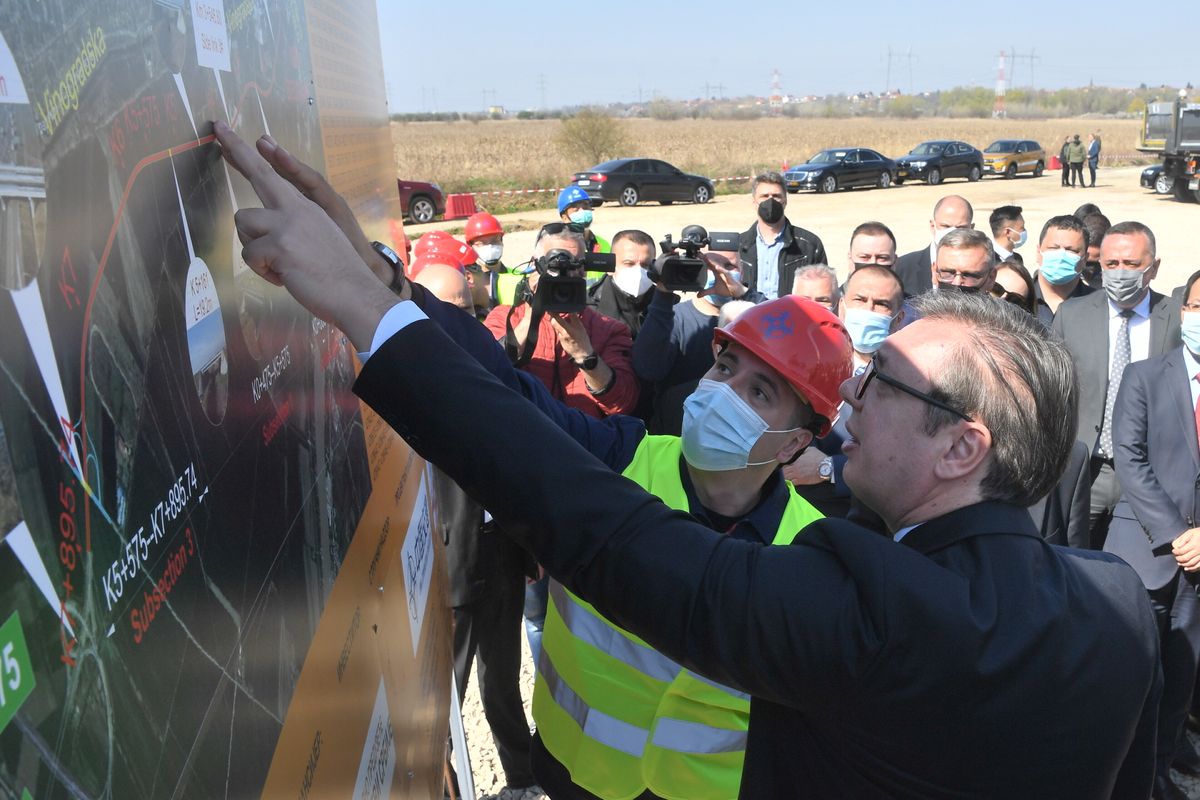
(1154, 525)
(1105, 332)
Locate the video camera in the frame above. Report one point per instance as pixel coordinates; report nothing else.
(687, 272)
(562, 288)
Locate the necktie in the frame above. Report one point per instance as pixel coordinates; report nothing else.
(1119, 362)
(1197, 412)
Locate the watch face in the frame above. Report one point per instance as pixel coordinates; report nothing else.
(826, 468)
(386, 252)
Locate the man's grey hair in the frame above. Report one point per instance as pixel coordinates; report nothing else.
(969, 239)
(566, 235)
(1133, 228)
(767, 177)
(811, 271)
(1009, 374)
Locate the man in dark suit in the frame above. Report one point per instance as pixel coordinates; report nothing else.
(908, 666)
(773, 248)
(1105, 332)
(915, 268)
(1154, 525)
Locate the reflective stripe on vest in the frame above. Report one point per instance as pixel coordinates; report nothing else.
(610, 731)
(585, 625)
(694, 737)
(634, 719)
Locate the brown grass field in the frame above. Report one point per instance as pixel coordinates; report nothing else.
(512, 154)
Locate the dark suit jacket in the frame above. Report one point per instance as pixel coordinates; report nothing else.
(1082, 324)
(1062, 515)
(971, 660)
(1158, 463)
(916, 271)
(800, 248)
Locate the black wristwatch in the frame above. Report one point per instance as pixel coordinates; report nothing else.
(589, 363)
(389, 255)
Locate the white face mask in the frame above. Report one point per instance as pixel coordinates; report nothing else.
(489, 253)
(633, 281)
(1020, 240)
(720, 429)
(939, 234)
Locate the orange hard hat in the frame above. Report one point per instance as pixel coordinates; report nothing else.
(804, 342)
(481, 224)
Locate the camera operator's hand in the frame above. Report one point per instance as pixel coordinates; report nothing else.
(575, 342)
(313, 185)
(727, 284)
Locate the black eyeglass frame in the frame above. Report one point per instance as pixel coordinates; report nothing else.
(872, 371)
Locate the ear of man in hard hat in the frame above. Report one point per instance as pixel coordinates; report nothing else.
(962, 657)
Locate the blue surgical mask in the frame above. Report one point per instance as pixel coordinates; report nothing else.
(867, 329)
(1060, 266)
(720, 428)
(1022, 237)
(583, 217)
(1190, 329)
(719, 300)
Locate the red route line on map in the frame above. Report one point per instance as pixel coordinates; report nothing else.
(112, 235)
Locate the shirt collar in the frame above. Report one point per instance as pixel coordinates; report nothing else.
(1190, 363)
(778, 238)
(1142, 309)
(760, 523)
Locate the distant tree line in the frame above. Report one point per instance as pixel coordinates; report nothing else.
(961, 102)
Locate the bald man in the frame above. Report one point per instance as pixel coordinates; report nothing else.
(487, 590)
(447, 284)
(916, 268)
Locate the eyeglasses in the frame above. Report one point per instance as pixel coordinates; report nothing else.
(969, 278)
(873, 372)
(1016, 298)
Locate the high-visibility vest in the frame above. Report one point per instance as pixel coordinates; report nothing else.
(506, 287)
(620, 716)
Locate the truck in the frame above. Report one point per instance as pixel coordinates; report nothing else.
(1172, 131)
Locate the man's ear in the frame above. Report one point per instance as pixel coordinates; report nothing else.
(795, 446)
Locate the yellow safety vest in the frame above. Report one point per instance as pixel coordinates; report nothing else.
(620, 716)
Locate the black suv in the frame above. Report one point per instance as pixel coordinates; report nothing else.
(933, 162)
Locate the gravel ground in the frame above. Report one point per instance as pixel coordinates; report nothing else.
(485, 764)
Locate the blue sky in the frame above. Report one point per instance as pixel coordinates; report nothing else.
(459, 56)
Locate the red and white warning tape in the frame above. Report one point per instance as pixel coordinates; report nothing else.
(510, 192)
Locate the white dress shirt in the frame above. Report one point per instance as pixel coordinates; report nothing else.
(1139, 331)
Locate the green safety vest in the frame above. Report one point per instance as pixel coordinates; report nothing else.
(506, 287)
(620, 716)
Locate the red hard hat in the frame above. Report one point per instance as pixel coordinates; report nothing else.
(804, 342)
(443, 250)
(427, 241)
(481, 224)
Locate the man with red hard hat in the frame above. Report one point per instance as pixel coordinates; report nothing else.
(908, 665)
(484, 233)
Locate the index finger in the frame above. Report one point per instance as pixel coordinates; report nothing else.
(271, 189)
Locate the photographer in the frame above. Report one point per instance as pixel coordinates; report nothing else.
(674, 347)
(582, 359)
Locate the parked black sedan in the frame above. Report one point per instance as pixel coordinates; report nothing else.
(1153, 178)
(933, 162)
(631, 180)
(841, 167)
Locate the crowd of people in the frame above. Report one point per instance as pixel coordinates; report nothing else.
(925, 531)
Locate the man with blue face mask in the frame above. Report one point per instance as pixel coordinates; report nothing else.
(1062, 248)
(1154, 526)
(1106, 332)
(872, 308)
(574, 206)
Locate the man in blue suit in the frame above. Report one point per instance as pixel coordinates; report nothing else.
(1157, 461)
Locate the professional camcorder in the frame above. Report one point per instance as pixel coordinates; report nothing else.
(688, 272)
(562, 288)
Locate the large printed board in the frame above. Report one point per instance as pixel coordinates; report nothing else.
(217, 577)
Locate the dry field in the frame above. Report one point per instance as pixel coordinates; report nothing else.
(511, 154)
